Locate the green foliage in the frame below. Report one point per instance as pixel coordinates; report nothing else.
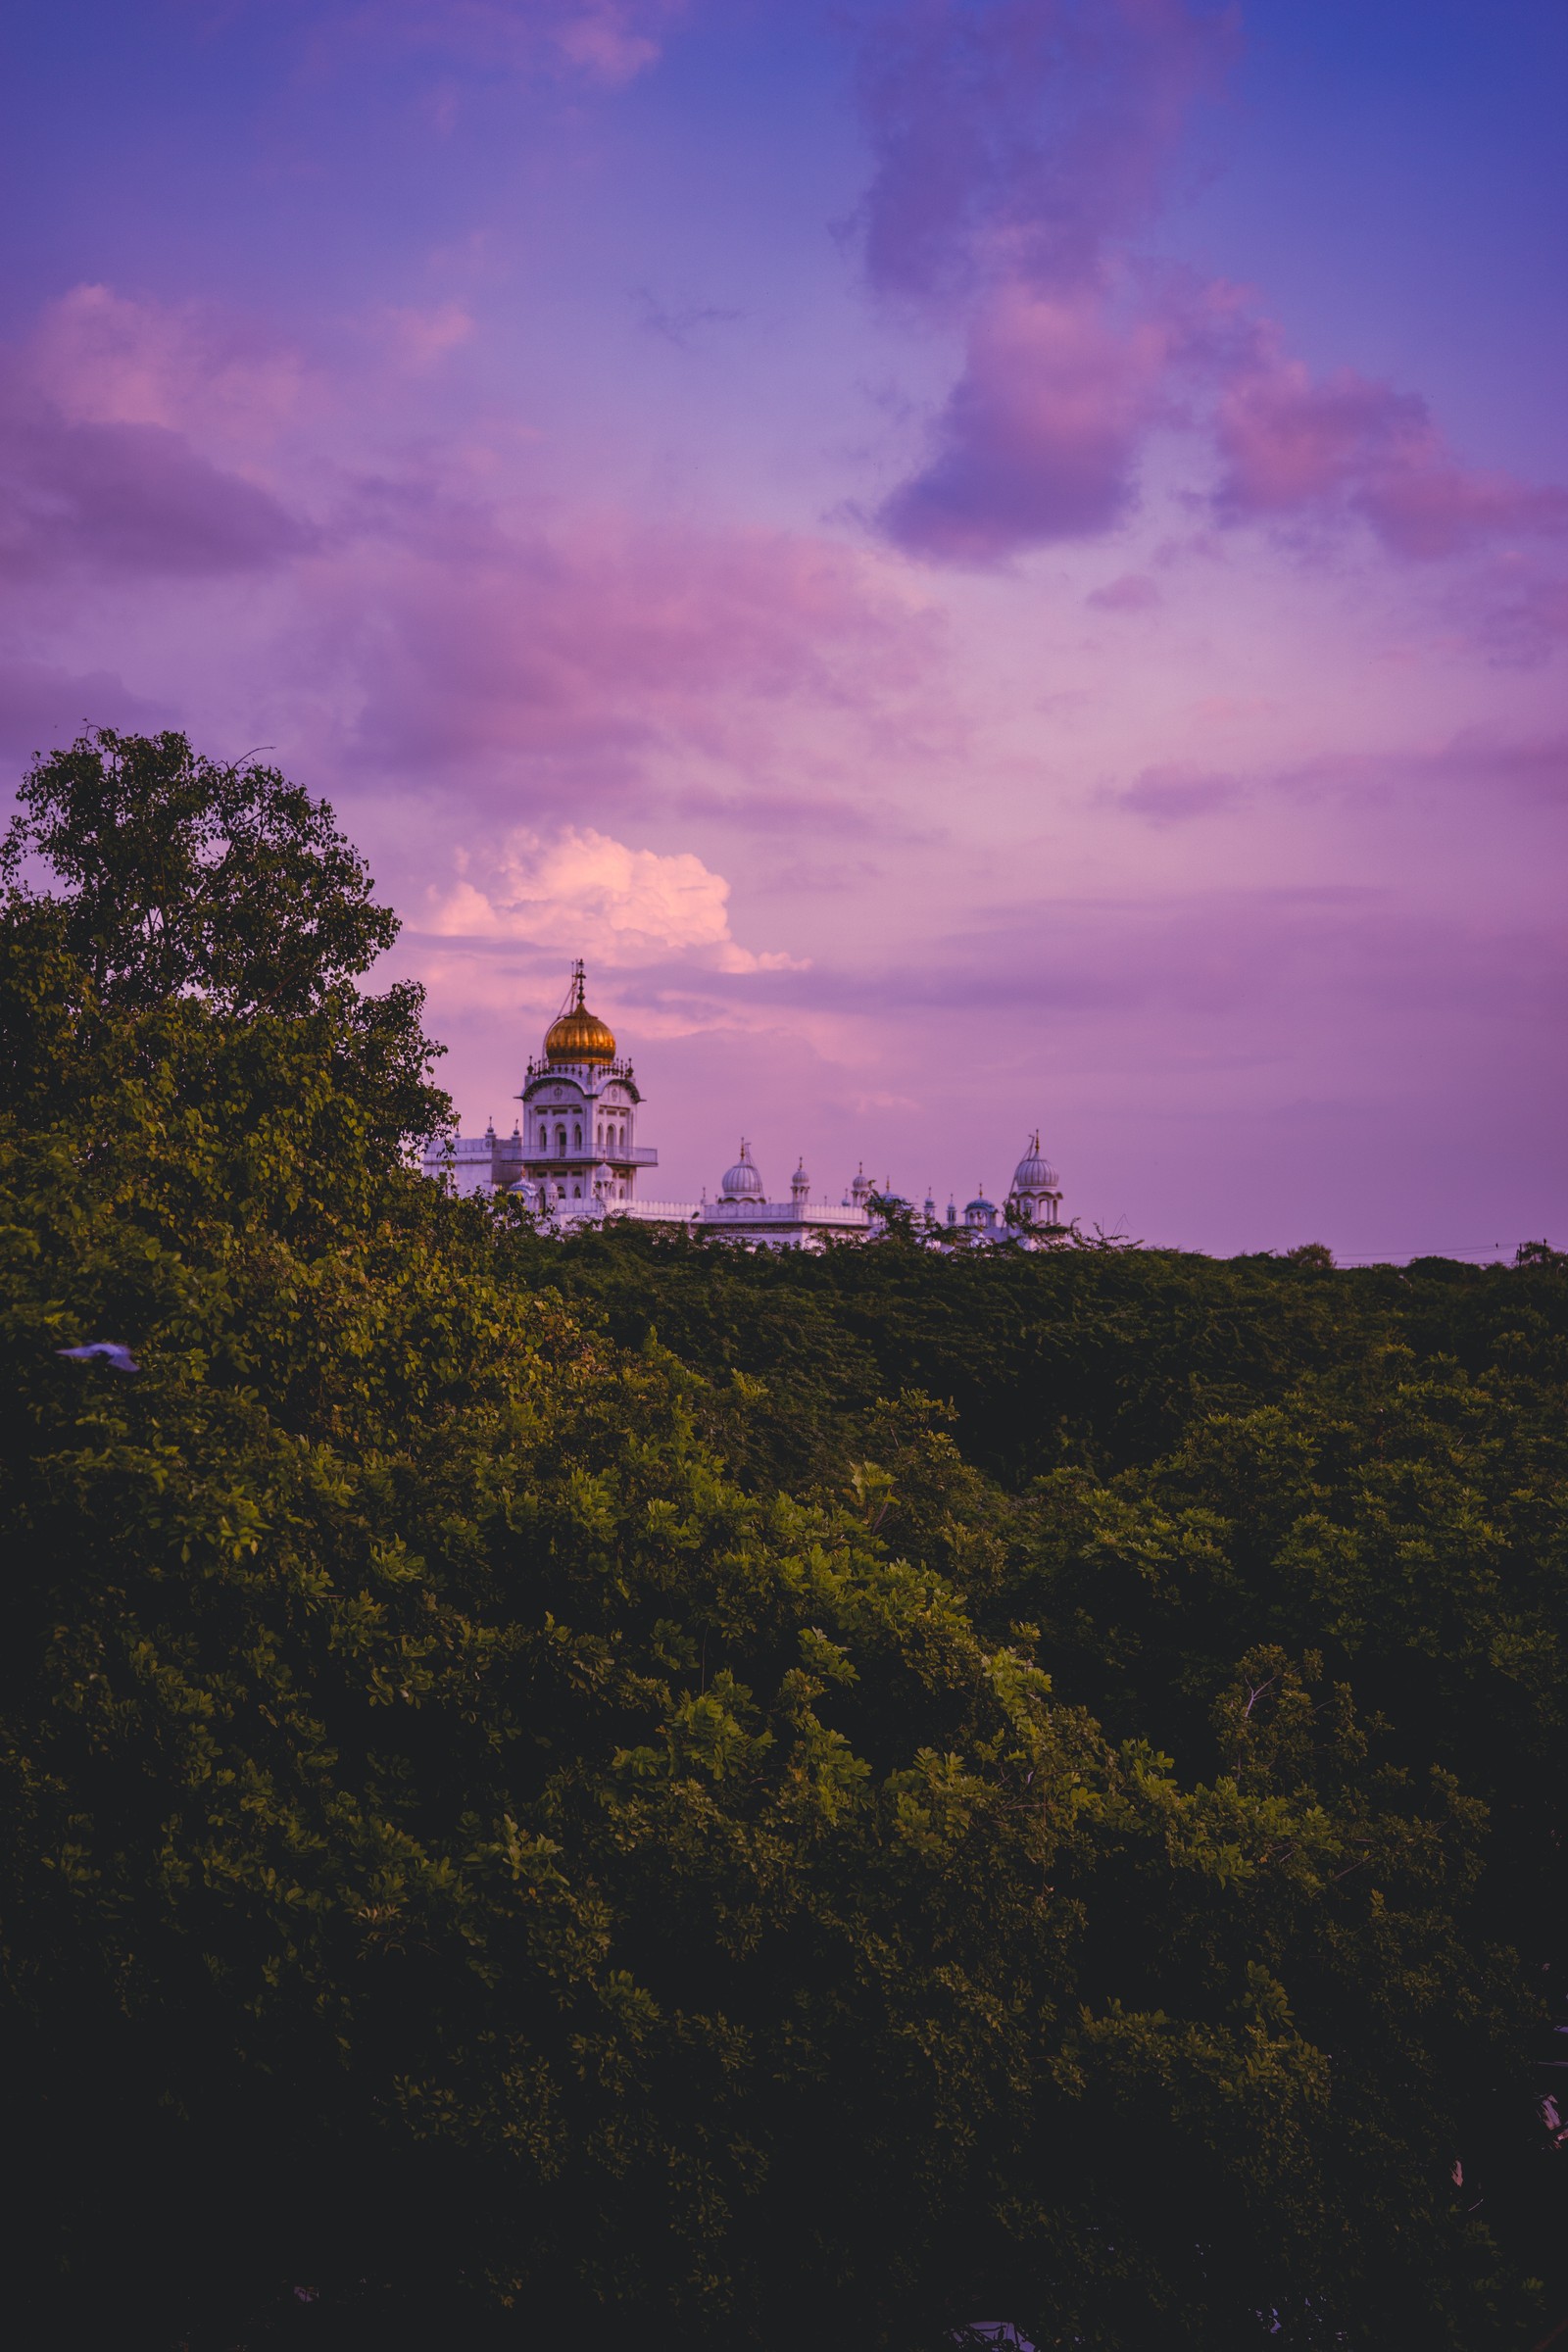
(557, 1789)
(180, 873)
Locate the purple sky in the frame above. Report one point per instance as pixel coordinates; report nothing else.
(987, 562)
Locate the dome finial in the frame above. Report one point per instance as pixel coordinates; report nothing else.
(578, 1035)
(742, 1182)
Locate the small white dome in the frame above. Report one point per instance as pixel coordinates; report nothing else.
(742, 1182)
(1034, 1172)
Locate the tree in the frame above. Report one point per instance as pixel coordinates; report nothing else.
(180, 873)
(138, 877)
(513, 1826)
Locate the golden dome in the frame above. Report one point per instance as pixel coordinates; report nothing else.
(579, 1035)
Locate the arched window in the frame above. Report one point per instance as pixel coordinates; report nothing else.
(561, 1146)
(576, 1134)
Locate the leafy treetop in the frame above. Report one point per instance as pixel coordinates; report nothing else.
(182, 874)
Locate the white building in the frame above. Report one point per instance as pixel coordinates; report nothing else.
(573, 1158)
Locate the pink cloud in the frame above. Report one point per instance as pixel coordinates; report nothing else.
(1017, 147)
(431, 615)
(1291, 445)
(1039, 436)
(102, 358)
(597, 649)
(579, 890)
(1015, 144)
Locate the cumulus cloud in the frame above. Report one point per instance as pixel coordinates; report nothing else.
(596, 897)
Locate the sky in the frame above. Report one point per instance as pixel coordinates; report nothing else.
(986, 563)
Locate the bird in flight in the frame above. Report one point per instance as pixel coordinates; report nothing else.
(113, 1351)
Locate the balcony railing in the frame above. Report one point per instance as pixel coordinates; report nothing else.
(618, 1068)
(582, 1155)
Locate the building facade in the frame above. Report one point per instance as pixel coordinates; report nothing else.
(573, 1158)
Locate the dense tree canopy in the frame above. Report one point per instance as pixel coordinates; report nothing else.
(554, 1789)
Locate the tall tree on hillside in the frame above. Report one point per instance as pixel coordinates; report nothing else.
(143, 876)
(180, 873)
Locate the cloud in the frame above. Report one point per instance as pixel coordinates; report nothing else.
(590, 648)
(596, 897)
(607, 41)
(1344, 444)
(1013, 138)
(1475, 760)
(42, 705)
(101, 475)
(100, 358)
(1039, 436)
(1171, 794)
(419, 340)
(678, 323)
(1271, 959)
(1019, 145)
(1132, 592)
(428, 619)
(129, 501)
(1516, 613)
(1531, 770)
